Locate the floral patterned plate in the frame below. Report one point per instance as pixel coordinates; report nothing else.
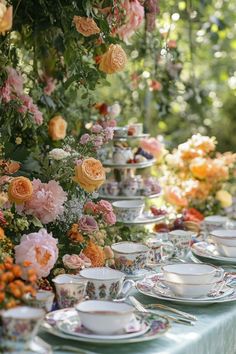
(147, 287)
(157, 326)
(137, 327)
(208, 252)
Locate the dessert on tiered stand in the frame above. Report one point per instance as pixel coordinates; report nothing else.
(127, 189)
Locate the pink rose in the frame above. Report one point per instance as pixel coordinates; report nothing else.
(73, 261)
(97, 128)
(86, 260)
(4, 179)
(90, 207)
(98, 141)
(15, 80)
(104, 206)
(110, 218)
(5, 93)
(108, 252)
(88, 224)
(40, 250)
(85, 138)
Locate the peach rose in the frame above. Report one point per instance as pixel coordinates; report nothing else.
(5, 18)
(20, 190)
(113, 60)
(90, 174)
(174, 196)
(86, 26)
(199, 167)
(57, 128)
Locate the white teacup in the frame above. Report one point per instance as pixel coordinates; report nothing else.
(43, 299)
(70, 290)
(214, 222)
(105, 317)
(103, 283)
(130, 256)
(224, 237)
(192, 273)
(128, 210)
(20, 325)
(190, 290)
(181, 240)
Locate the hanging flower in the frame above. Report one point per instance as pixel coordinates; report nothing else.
(114, 60)
(39, 250)
(86, 26)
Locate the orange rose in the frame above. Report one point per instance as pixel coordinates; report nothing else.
(175, 196)
(20, 190)
(199, 168)
(113, 60)
(86, 26)
(2, 233)
(57, 128)
(5, 18)
(90, 174)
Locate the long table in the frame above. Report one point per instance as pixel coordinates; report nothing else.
(213, 333)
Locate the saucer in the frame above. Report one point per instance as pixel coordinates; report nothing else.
(72, 326)
(208, 251)
(147, 286)
(147, 163)
(141, 273)
(143, 219)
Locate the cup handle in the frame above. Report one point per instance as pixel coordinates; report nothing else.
(127, 286)
(219, 273)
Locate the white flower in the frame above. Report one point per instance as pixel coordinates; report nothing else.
(114, 110)
(58, 154)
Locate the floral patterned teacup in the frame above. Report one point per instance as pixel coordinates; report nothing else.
(19, 326)
(70, 290)
(43, 299)
(103, 283)
(181, 240)
(130, 257)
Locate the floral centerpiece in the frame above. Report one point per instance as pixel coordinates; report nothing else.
(196, 175)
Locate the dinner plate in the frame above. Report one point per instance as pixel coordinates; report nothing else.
(147, 287)
(73, 326)
(208, 252)
(144, 219)
(158, 325)
(147, 163)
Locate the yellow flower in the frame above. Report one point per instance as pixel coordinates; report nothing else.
(20, 190)
(90, 174)
(57, 128)
(86, 26)
(5, 17)
(199, 167)
(224, 198)
(113, 60)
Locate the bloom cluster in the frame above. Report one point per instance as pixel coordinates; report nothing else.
(196, 173)
(12, 90)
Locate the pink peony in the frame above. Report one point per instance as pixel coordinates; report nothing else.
(40, 250)
(5, 93)
(88, 224)
(110, 218)
(97, 128)
(90, 207)
(134, 17)
(14, 80)
(86, 260)
(85, 138)
(152, 145)
(73, 261)
(46, 202)
(37, 115)
(104, 206)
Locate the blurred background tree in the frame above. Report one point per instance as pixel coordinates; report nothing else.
(182, 76)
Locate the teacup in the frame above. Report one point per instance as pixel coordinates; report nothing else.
(214, 222)
(43, 299)
(192, 273)
(224, 237)
(112, 188)
(160, 250)
(190, 290)
(70, 290)
(130, 257)
(225, 250)
(181, 240)
(103, 283)
(105, 317)
(120, 132)
(19, 326)
(128, 210)
(130, 187)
